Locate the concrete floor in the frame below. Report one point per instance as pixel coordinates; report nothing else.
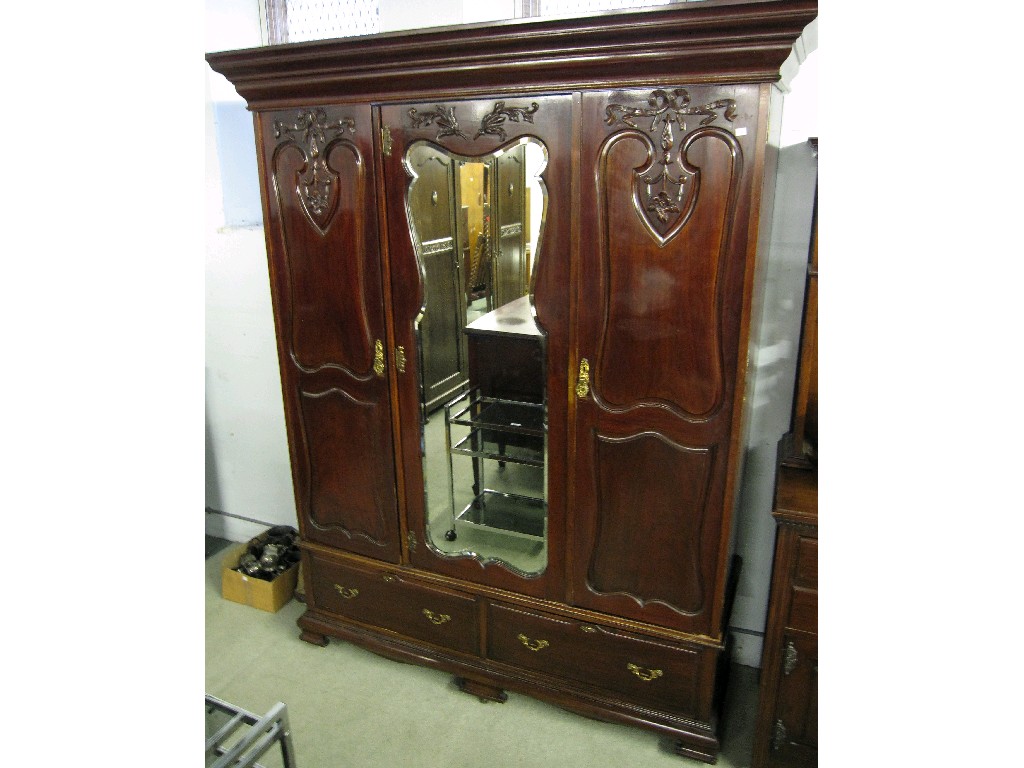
(349, 708)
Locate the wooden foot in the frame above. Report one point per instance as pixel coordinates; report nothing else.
(482, 691)
(314, 637)
(688, 750)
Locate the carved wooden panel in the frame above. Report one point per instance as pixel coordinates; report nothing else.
(351, 494)
(327, 292)
(320, 183)
(630, 507)
(662, 291)
(668, 192)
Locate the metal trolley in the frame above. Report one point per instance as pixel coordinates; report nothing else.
(237, 739)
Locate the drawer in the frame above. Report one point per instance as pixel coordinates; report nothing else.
(803, 610)
(796, 705)
(386, 599)
(806, 572)
(641, 670)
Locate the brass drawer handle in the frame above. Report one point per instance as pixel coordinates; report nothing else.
(791, 659)
(533, 645)
(436, 618)
(390, 578)
(644, 674)
(587, 628)
(345, 592)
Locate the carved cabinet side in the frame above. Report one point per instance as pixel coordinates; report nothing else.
(326, 287)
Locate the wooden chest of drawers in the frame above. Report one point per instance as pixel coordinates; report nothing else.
(787, 726)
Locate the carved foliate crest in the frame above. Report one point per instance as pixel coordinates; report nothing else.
(662, 192)
(443, 117)
(492, 123)
(317, 187)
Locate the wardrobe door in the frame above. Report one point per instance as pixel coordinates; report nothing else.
(483, 472)
(663, 268)
(321, 224)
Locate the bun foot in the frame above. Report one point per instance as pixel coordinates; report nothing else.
(482, 691)
(315, 638)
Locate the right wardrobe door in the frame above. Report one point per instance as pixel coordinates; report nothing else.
(662, 315)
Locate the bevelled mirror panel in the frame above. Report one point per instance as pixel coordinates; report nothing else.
(476, 226)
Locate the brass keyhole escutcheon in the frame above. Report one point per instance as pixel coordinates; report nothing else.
(583, 380)
(533, 645)
(644, 674)
(378, 358)
(345, 592)
(436, 618)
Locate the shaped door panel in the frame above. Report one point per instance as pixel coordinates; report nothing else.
(327, 291)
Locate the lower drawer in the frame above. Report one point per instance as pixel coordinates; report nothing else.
(640, 670)
(385, 599)
(803, 609)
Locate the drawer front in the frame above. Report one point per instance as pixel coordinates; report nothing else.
(803, 610)
(806, 573)
(643, 671)
(385, 599)
(797, 703)
(791, 731)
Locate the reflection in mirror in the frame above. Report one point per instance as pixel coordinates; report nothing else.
(476, 225)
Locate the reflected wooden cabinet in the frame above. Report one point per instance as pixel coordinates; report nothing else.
(786, 733)
(619, 169)
(442, 355)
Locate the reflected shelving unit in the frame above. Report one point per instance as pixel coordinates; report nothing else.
(505, 432)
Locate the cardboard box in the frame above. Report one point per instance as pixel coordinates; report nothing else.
(242, 588)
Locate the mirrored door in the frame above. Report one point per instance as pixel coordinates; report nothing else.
(484, 441)
(470, 236)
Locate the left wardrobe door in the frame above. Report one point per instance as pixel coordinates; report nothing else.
(316, 168)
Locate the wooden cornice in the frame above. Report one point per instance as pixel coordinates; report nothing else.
(724, 41)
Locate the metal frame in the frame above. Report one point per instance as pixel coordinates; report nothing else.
(263, 733)
(477, 407)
